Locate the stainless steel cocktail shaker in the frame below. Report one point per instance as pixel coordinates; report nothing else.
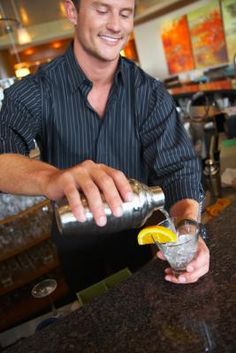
(135, 213)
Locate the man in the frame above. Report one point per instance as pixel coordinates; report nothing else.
(99, 119)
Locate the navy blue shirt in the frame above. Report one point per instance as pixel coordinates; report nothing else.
(140, 133)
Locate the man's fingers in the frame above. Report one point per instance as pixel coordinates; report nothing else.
(202, 257)
(111, 183)
(93, 197)
(98, 183)
(74, 201)
(195, 269)
(95, 203)
(110, 192)
(195, 275)
(122, 183)
(185, 277)
(160, 255)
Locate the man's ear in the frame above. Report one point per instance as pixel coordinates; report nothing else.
(71, 12)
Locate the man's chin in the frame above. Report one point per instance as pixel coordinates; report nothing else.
(109, 57)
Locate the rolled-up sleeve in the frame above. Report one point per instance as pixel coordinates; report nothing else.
(19, 119)
(168, 151)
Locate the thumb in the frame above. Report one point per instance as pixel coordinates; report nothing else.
(160, 255)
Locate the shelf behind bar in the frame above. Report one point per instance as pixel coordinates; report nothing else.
(11, 253)
(222, 85)
(28, 277)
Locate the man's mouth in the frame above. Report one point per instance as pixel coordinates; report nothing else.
(110, 39)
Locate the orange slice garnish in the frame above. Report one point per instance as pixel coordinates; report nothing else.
(159, 234)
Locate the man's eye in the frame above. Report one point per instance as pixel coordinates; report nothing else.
(125, 14)
(102, 12)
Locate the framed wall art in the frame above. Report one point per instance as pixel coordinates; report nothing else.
(207, 35)
(229, 16)
(177, 45)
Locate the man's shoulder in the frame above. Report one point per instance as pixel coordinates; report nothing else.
(46, 72)
(25, 87)
(36, 83)
(50, 69)
(141, 77)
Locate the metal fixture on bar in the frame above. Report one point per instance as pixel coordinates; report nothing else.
(234, 64)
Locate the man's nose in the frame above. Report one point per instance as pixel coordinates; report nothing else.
(114, 23)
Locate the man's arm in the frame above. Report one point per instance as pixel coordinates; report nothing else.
(186, 208)
(20, 123)
(170, 156)
(168, 151)
(22, 175)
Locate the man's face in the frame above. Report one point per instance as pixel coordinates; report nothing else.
(103, 27)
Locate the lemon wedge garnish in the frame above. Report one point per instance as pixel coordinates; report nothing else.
(159, 234)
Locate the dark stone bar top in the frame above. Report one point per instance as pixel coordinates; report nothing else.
(146, 314)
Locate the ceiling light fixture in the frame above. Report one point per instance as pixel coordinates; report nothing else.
(23, 35)
(21, 69)
(9, 31)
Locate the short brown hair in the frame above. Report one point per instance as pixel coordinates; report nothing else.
(76, 2)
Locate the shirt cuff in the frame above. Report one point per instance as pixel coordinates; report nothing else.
(183, 189)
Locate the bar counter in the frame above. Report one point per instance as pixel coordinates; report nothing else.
(224, 87)
(146, 314)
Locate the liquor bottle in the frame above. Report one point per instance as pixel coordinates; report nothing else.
(135, 213)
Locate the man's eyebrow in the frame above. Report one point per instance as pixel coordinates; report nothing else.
(101, 3)
(130, 9)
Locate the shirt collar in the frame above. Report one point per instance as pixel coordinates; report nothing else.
(120, 74)
(77, 77)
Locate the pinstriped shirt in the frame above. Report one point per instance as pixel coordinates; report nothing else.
(140, 133)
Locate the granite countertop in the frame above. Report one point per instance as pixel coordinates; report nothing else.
(146, 314)
(11, 205)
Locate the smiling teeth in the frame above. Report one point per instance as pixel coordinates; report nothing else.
(110, 38)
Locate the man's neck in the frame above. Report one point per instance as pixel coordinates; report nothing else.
(98, 71)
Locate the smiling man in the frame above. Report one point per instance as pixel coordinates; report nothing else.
(99, 120)
(102, 28)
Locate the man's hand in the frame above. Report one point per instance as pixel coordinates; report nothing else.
(195, 269)
(25, 176)
(93, 180)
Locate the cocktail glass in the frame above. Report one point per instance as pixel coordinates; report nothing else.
(180, 253)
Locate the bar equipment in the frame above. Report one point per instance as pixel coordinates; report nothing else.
(135, 213)
(202, 123)
(212, 177)
(44, 289)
